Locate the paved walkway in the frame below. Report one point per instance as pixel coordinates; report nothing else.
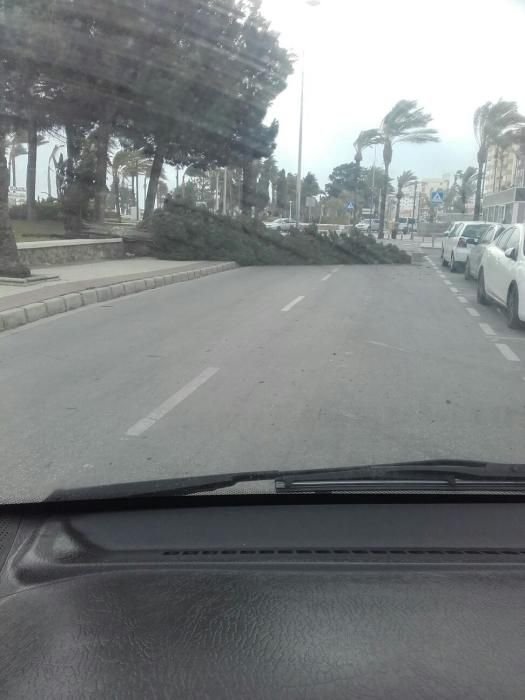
(76, 278)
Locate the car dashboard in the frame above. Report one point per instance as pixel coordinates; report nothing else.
(263, 598)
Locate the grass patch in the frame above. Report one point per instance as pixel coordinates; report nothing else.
(26, 231)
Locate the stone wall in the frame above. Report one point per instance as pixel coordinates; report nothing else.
(42, 253)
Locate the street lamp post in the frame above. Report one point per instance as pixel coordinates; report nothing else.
(300, 156)
(311, 3)
(413, 212)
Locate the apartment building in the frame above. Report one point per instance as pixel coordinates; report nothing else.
(504, 185)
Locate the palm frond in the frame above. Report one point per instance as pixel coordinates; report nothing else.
(419, 136)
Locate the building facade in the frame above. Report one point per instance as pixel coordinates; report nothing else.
(504, 184)
(423, 196)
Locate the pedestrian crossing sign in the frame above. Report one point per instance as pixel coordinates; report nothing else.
(438, 197)
(350, 206)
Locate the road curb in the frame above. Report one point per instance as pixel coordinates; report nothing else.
(21, 315)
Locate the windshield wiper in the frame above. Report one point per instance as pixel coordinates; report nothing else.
(435, 475)
(440, 474)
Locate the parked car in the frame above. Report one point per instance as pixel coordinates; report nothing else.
(502, 274)
(365, 225)
(459, 242)
(280, 224)
(475, 255)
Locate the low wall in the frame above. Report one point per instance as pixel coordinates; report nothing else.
(437, 229)
(42, 253)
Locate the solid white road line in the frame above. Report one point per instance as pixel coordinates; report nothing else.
(487, 329)
(326, 277)
(463, 300)
(507, 353)
(292, 304)
(334, 271)
(472, 312)
(146, 423)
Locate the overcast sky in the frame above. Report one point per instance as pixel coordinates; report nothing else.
(362, 56)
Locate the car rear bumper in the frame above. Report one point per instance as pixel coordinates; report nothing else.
(461, 254)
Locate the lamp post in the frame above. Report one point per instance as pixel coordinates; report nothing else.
(311, 3)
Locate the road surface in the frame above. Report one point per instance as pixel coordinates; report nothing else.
(261, 368)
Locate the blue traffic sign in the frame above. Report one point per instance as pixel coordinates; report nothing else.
(438, 197)
(350, 206)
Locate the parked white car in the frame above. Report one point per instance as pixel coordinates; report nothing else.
(475, 255)
(461, 238)
(366, 225)
(280, 224)
(502, 274)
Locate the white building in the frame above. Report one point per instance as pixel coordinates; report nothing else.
(16, 196)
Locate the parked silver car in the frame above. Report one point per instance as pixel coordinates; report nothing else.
(475, 254)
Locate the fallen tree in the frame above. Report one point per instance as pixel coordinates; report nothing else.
(182, 232)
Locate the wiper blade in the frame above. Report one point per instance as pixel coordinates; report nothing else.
(410, 476)
(444, 473)
(162, 488)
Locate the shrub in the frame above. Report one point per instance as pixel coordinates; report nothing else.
(182, 232)
(49, 210)
(18, 211)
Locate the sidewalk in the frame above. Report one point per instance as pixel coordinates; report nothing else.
(83, 284)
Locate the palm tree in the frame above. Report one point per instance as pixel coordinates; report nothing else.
(406, 178)
(15, 146)
(34, 140)
(464, 188)
(491, 122)
(135, 164)
(366, 138)
(405, 123)
(130, 163)
(53, 159)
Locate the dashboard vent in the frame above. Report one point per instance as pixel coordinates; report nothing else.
(360, 554)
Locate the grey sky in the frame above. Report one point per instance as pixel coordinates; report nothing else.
(361, 56)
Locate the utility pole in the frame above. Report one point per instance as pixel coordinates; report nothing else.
(217, 191)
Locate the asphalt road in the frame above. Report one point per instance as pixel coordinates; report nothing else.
(261, 368)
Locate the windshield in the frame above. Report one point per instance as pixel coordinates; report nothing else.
(474, 230)
(215, 258)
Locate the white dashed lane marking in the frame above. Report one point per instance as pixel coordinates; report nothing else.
(293, 303)
(463, 300)
(487, 329)
(161, 411)
(472, 312)
(507, 353)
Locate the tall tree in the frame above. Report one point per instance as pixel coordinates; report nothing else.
(366, 138)
(283, 200)
(406, 178)
(34, 140)
(464, 188)
(309, 187)
(491, 122)
(405, 123)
